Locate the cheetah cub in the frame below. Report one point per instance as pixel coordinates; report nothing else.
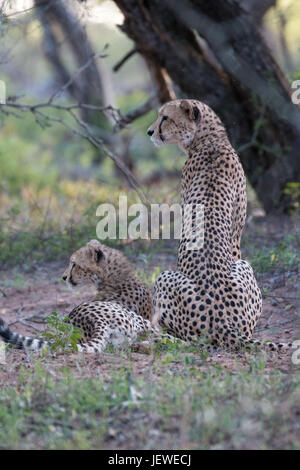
(122, 306)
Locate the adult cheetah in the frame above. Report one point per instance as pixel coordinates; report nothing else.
(213, 293)
(122, 306)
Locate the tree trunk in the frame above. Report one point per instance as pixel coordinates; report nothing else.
(55, 16)
(257, 8)
(61, 26)
(214, 52)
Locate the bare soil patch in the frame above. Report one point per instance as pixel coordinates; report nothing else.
(41, 292)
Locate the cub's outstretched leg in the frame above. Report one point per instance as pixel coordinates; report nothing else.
(101, 322)
(106, 322)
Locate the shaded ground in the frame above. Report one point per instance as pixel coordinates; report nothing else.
(41, 292)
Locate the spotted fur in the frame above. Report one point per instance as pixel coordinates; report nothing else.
(214, 292)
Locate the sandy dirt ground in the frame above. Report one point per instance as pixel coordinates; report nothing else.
(41, 291)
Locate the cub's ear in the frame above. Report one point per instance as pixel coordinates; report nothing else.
(95, 251)
(192, 111)
(99, 255)
(96, 254)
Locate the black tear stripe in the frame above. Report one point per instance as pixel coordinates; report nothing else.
(70, 277)
(164, 118)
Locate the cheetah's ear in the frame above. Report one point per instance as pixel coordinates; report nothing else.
(96, 254)
(95, 251)
(191, 110)
(99, 255)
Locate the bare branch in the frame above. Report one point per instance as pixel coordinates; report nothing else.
(58, 15)
(272, 325)
(78, 72)
(125, 58)
(25, 320)
(137, 112)
(83, 130)
(283, 297)
(162, 81)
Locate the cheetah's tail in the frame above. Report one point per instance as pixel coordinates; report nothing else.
(235, 339)
(20, 341)
(269, 345)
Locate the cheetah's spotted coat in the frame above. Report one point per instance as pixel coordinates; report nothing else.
(213, 293)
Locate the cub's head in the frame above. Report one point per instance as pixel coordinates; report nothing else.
(177, 123)
(97, 264)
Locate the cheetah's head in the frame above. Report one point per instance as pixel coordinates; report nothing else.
(97, 264)
(177, 123)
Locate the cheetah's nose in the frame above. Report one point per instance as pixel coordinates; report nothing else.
(150, 132)
(64, 278)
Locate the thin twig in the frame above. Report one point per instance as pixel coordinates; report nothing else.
(78, 72)
(84, 130)
(125, 58)
(281, 297)
(17, 312)
(34, 107)
(272, 325)
(45, 120)
(98, 143)
(25, 320)
(136, 113)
